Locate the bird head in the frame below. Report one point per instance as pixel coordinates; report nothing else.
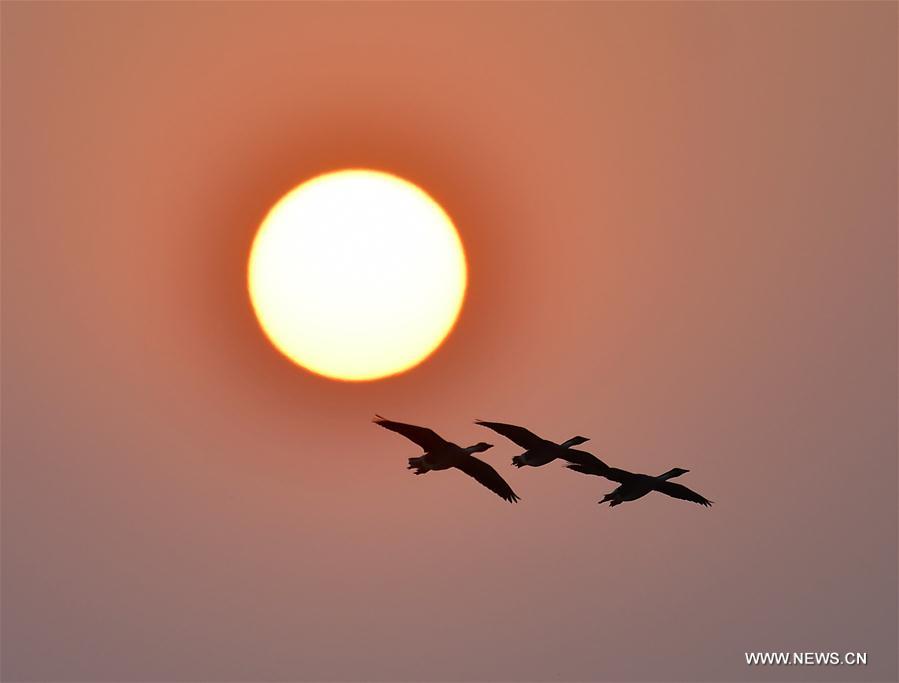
(677, 471)
(479, 447)
(577, 440)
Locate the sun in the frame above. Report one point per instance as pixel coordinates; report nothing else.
(357, 275)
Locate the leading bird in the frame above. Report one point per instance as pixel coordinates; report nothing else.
(440, 454)
(634, 486)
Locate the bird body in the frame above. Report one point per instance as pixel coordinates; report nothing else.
(440, 454)
(444, 458)
(539, 451)
(635, 485)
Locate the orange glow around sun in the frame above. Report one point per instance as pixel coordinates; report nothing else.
(357, 275)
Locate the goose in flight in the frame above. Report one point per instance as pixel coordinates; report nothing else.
(440, 454)
(539, 451)
(634, 486)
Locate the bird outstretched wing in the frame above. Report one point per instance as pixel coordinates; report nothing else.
(486, 475)
(523, 437)
(428, 439)
(584, 459)
(682, 492)
(598, 468)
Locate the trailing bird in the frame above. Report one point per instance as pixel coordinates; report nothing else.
(440, 454)
(634, 486)
(539, 451)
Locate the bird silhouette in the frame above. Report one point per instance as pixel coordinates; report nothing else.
(539, 451)
(634, 486)
(440, 454)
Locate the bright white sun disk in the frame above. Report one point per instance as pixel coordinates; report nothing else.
(357, 275)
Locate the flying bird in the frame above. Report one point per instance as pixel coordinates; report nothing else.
(539, 451)
(440, 454)
(634, 486)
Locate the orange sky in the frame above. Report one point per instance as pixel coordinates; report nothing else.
(680, 221)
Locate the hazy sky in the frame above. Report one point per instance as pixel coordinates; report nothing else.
(681, 228)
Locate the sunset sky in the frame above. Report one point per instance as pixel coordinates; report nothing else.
(680, 226)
